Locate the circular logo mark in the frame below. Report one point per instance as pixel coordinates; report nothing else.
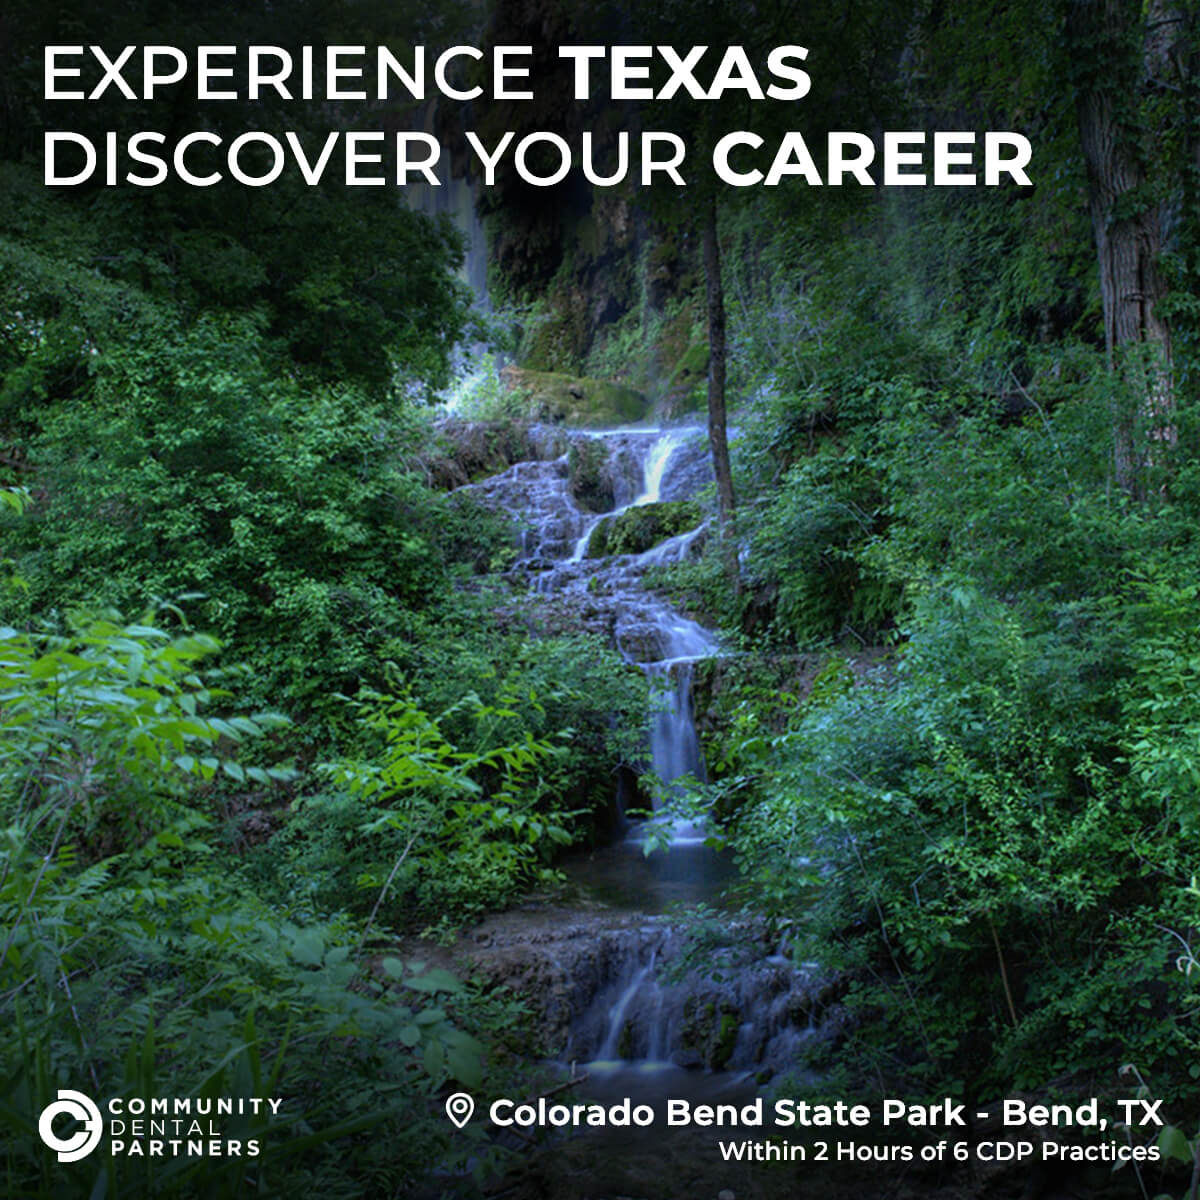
(82, 1141)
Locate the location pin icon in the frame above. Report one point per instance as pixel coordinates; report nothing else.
(459, 1108)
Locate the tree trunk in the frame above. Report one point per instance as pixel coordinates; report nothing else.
(717, 434)
(1117, 50)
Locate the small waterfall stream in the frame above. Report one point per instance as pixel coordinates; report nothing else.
(646, 466)
(611, 1046)
(455, 197)
(631, 1005)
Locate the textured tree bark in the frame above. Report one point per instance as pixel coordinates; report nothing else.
(1122, 49)
(717, 425)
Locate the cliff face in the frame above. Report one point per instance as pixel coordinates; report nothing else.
(601, 289)
(619, 300)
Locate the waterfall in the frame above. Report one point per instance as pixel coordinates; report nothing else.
(454, 197)
(674, 746)
(654, 469)
(636, 1000)
(629, 1004)
(610, 1047)
(645, 466)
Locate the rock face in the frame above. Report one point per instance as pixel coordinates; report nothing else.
(558, 502)
(604, 473)
(466, 451)
(628, 986)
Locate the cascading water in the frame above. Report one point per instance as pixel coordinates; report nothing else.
(616, 985)
(644, 467)
(611, 1046)
(656, 461)
(647, 630)
(675, 752)
(627, 1012)
(454, 197)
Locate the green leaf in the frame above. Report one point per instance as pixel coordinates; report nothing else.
(434, 980)
(1173, 1143)
(434, 1060)
(308, 947)
(465, 1065)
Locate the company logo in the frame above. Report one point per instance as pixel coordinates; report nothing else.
(82, 1141)
(156, 1126)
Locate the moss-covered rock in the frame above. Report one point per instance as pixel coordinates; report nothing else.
(683, 392)
(639, 529)
(575, 399)
(709, 1033)
(555, 339)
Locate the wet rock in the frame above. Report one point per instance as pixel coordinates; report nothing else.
(589, 467)
(462, 452)
(628, 986)
(691, 470)
(710, 1031)
(606, 471)
(639, 640)
(549, 526)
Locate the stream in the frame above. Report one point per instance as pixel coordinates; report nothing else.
(631, 1000)
(640, 467)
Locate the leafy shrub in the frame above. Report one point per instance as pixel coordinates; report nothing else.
(982, 842)
(274, 506)
(134, 961)
(571, 690)
(419, 821)
(225, 415)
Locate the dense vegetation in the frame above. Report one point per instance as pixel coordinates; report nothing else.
(213, 420)
(263, 709)
(945, 458)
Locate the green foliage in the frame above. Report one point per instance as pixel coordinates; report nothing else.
(104, 730)
(1175, 1141)
(555, 334)
(1160, 700)
(573, 690)
(624, 349)
(456, 792)
(991, 836)
(190, 463)
(439, 829)
(345, 289)
(803, 550)
(479, 394)
(217, 400)
(975, 825)
(133, 964)
(15, 499)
